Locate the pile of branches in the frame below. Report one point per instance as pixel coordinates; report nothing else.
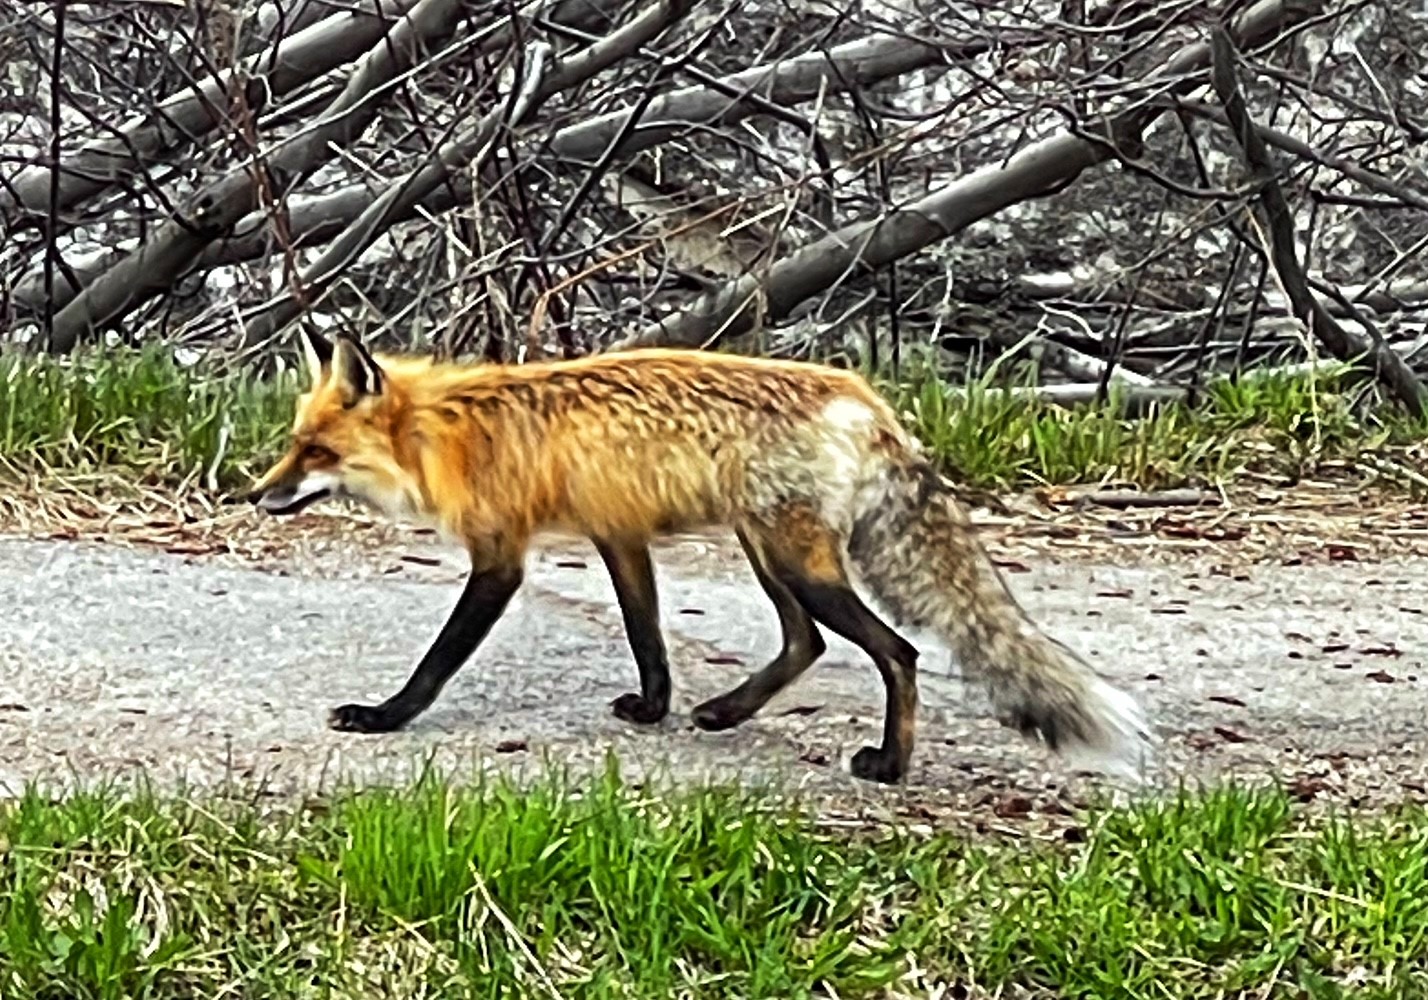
(1132, 191)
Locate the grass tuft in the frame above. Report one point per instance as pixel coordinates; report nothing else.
(598, 888)
(1286, 427)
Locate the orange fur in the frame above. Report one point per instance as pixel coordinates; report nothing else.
(622, 446)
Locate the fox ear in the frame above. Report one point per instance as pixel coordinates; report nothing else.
(317, 350)
(354, 372)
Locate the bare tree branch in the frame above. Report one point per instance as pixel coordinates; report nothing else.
(177, 244)
(315, 219)
(1368, 178)
(725, 101)
(467, 152)
(186, 117)
(1037, 170)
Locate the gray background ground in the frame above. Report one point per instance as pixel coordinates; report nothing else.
(116, 660)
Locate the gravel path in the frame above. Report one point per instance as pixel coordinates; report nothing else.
(118, 660)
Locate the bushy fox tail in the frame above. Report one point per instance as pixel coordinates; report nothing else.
(914, 547)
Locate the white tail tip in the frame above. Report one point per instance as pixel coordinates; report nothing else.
(1123, 746)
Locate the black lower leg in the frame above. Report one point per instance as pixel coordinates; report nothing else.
(840, 609)
(889, 762)
(802, 645)
(633, 576)
(482, 602)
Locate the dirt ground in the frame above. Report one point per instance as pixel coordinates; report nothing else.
(185, 659)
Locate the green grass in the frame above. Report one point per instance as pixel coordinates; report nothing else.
(141, 414)
(606, 890)
(1284, 427)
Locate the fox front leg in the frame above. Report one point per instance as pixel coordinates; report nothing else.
(482, 602)
(633, 576)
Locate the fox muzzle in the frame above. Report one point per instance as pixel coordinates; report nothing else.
(287, 496)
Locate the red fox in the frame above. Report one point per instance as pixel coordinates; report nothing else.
(818, 479)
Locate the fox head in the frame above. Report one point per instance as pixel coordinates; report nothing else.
(342, 438)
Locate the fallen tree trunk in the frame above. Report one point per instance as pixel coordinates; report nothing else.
(176, 244)
(1037, 170)
(313, 220)
(188, 116)
(309, 52)
(843, 68)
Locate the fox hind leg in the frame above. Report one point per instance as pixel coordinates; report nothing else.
(632, 574)
(802, 645)
(806, 557)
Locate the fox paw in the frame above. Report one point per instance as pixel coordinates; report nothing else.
(637, 709)
(361, 719)
(718, 714)
(876, 764)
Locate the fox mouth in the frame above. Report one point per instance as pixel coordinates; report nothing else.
(289, 501)
(284, 500)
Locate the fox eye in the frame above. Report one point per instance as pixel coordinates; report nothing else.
(317, 453)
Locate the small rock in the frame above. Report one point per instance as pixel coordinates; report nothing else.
(1305, 788)
(1010, 806)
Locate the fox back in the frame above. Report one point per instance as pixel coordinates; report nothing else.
(625, 445)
